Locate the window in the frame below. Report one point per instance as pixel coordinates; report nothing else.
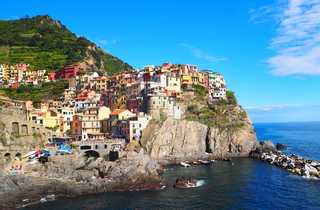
(85, 147)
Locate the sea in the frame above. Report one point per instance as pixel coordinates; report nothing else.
(240, 184)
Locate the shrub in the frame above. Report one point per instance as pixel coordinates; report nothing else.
(231, 98)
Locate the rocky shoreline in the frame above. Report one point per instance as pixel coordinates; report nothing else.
(76, 175)
(294, 164)
(38, 190)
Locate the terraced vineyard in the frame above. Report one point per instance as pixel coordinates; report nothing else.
(45, 43)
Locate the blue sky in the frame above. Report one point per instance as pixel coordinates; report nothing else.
(269, 51)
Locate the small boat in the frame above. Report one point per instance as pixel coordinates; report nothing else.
(43, 200)
(30, 154)
(184, 164)
(204, 162)
(51, 197)
(212, 161)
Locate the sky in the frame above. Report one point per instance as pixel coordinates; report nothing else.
(268, 50)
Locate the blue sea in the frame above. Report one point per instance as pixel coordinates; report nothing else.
(240, 184)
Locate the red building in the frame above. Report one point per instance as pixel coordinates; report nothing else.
(67, 72)
(134, 105)
(108, 98)
(146, 77)
(14, 85)
(52, 76)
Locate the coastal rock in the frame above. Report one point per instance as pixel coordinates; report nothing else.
(75, 175)
(6, 184)
(225, 143)
(268, 146)
(310, 170)
(175, 139)
(293, 164)
(183, 140)
(184, 182)
(281, 146)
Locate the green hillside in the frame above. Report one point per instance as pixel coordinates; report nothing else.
(45, 43)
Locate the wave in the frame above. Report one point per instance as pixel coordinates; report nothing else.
(200, 183)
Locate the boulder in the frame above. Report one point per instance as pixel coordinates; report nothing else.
(268, 146)
(185, 182)
(310, 170)
(281, 146)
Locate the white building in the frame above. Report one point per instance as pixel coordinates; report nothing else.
(67, 114)
(161, 104)
(217, 86)
(137, 126)
(2, 69)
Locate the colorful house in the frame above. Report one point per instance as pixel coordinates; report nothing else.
(122, 114)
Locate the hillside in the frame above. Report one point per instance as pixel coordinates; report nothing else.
(45, 43)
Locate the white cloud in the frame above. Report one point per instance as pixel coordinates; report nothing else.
(198, 53)
(271, 107)
(263, 14)
(297, 40)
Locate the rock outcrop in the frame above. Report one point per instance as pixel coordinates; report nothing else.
(75, 175)
(184, 182)
(225, 143)
(177, 140)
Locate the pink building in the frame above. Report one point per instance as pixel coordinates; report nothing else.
(22, 67)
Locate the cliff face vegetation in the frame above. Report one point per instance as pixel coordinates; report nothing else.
(45, 43)
(220, 129)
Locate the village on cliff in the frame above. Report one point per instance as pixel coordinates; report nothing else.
(99, 114)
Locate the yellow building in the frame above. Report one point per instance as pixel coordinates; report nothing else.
(195, 78)
(186, 80)
(173, 86)
(51, 119)
(48, 119)
(101, 83)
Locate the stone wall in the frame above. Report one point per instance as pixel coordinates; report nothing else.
(19, 136)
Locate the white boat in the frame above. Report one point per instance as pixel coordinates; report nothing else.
(204, 161)
(184, 164)
(32, 153)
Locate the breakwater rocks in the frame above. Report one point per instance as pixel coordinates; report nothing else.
(292, 163)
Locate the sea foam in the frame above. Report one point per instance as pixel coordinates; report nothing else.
(200, 183)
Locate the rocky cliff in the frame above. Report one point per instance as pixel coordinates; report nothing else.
(217, 134)
(175, 139)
